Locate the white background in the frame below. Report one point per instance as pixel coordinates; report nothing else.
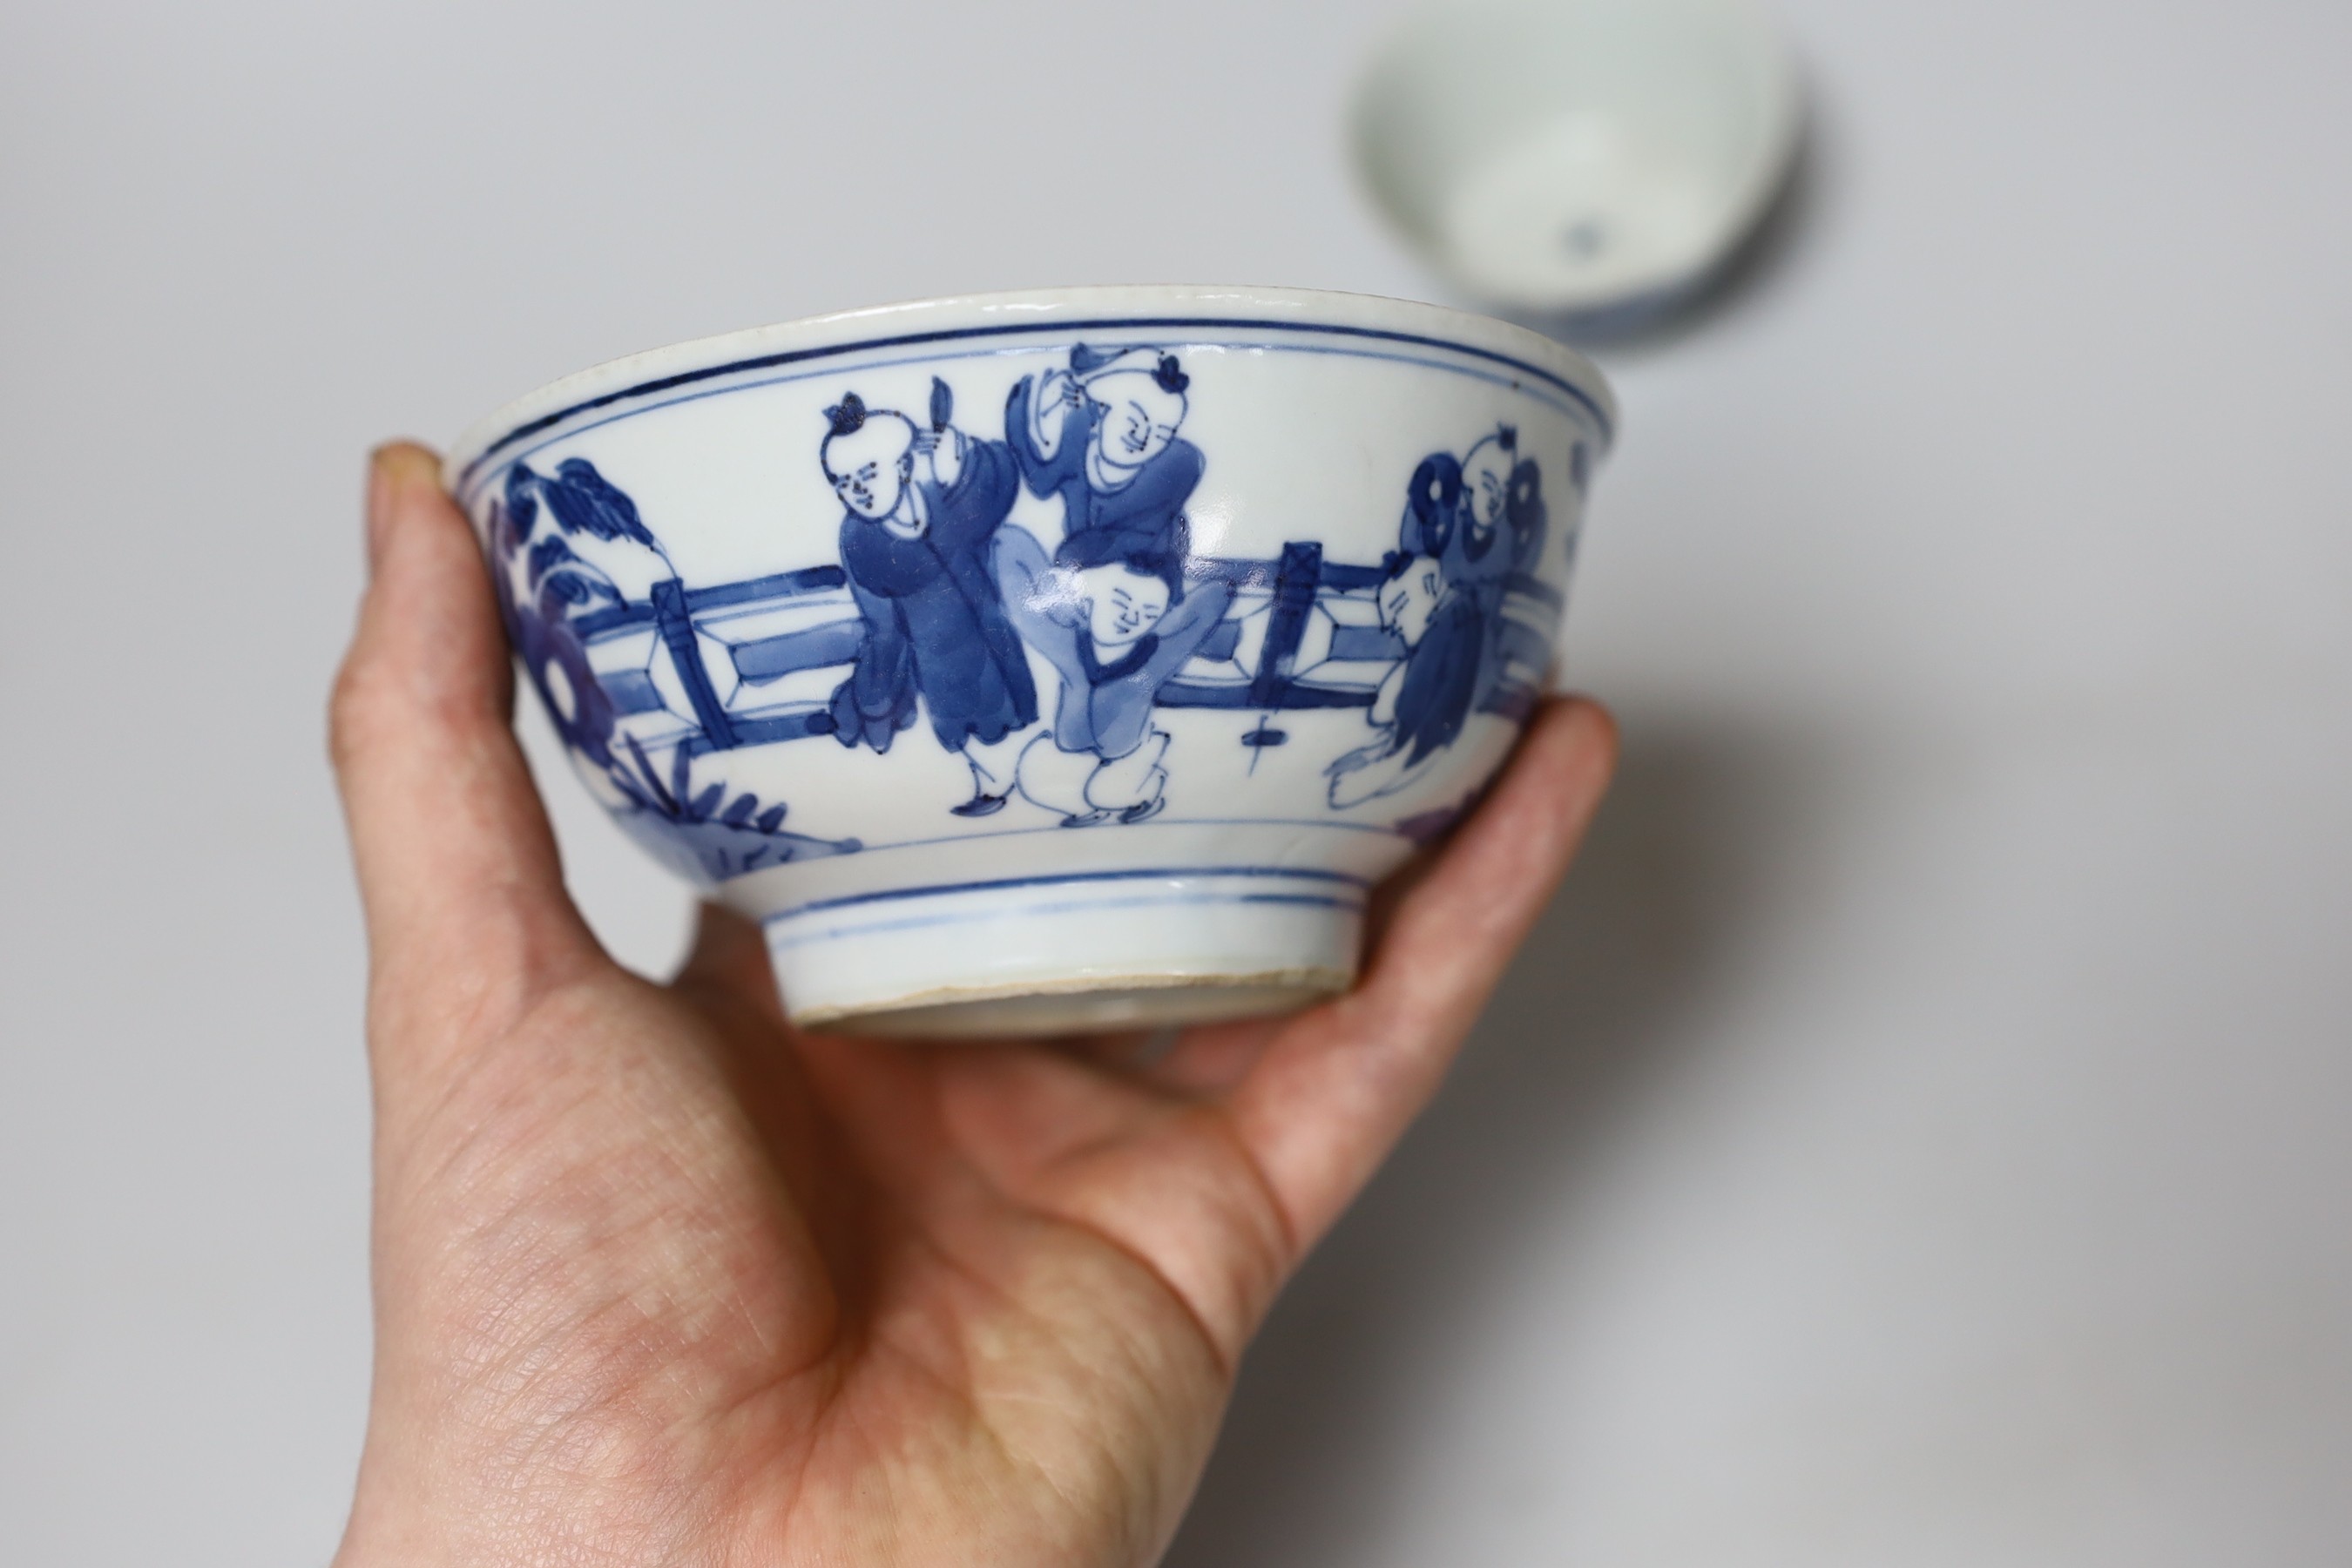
(1919, 1136)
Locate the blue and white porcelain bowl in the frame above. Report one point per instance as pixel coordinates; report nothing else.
(1051, 661)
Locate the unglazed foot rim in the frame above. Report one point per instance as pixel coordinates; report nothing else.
(1093, 1004)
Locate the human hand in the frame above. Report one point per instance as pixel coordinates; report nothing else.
(660, 1279)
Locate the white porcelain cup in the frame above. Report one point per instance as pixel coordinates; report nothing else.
(1579, 158)
(1049, 662)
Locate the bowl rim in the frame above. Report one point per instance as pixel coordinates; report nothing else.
(1059, 309)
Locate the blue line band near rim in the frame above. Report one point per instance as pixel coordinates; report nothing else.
(955, 334)
(1004, 883)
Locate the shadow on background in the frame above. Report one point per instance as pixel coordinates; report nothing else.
(1324, 1423)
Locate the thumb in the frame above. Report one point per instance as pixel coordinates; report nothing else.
(467, 919)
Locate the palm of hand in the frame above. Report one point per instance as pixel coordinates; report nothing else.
(756, 1288)
(661, 1280)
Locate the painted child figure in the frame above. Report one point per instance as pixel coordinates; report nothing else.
(1421, 707)
(1470, 524)
(923, 513)
(1102, 434)
(1112, 613)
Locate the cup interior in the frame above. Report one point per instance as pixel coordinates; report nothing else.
(1578, 155)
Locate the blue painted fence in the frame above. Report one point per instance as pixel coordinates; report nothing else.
(1292, 582)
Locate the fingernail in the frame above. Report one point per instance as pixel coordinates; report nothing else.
(379, 505)
(396, 469)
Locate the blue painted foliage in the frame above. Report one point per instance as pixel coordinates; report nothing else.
(545, 592)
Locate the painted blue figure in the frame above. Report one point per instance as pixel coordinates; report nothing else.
(1470, 524)
(1102, 434)
(1423, 703)
(923, 509)
(1113, 615)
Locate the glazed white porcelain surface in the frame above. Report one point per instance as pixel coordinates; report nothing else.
(1573, 156)
(1046, 661)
